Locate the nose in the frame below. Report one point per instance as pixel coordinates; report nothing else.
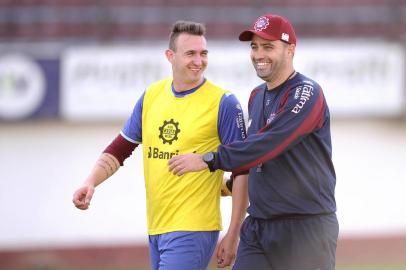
(257, 54)
(197, 60)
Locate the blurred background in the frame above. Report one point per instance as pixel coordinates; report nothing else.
(72, 70)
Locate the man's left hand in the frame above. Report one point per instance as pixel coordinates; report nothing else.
(226, 251)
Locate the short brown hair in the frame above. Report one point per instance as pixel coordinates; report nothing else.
(188, 27)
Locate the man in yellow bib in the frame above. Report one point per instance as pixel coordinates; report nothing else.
(181, 114)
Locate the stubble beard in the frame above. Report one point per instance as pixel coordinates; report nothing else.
(266, 75)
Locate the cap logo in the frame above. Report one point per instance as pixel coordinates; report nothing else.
(285, 37)
(261, 24)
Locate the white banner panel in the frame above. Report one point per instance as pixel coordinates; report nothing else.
(359, 78)
(102, 83)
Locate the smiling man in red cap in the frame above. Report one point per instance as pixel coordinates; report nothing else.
(292, 223)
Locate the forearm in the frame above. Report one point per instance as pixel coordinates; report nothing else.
(257, 148)
(105, 167)
(110, 160)
(239, 203)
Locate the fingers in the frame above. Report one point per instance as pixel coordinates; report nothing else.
(225, 259)
(177, 166)
(89, 196)
(174, 164)
(174, 159)
(225, 191)
(228, 259)
(176, 169)
(219, 253)
(225, 253)
(81, 198)
(185, 163)
(80, 204)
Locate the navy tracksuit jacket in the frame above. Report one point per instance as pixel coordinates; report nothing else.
(287, 151)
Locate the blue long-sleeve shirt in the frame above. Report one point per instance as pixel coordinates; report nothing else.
(287, 151)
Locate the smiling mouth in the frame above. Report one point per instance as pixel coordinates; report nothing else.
(261, 65)
(195, 69)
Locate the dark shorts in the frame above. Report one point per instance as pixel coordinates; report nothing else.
(296, 243)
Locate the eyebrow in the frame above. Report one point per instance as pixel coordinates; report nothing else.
(270, 42)
(195, 51)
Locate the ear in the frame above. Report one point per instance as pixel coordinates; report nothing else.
(291, 49)
(169, 55)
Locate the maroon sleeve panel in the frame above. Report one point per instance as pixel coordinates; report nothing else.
(120, 148)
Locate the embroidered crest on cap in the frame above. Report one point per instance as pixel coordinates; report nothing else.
(261, 23)
(285, 37)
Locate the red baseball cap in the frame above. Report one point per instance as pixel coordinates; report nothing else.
(271, 27)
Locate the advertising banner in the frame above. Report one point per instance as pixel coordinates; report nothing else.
(29, 88)
(102, 83)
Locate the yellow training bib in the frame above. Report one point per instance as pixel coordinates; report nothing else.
(173, 125)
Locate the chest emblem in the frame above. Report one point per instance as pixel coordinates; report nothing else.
(169, 131)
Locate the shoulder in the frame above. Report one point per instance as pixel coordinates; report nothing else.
(304, 93)
(303, 83)
(255, 92)
(214, 88)
(301, 88)
(229, 100)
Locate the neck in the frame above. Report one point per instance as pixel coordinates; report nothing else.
(181, 86)
(288, 74)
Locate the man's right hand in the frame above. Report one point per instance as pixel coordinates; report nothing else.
(225, 187)
(83, 196)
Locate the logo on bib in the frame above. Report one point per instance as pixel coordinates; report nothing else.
(169, 131)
